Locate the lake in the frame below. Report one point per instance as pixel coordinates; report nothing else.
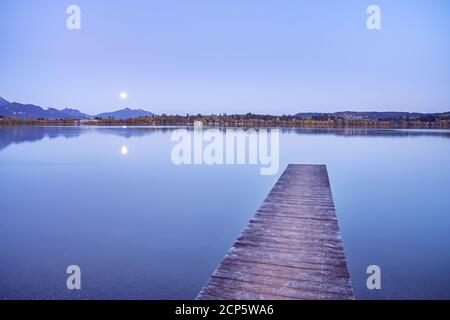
(110, 200)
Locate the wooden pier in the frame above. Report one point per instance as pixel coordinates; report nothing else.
(290, 249)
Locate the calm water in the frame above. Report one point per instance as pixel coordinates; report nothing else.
(141, 227)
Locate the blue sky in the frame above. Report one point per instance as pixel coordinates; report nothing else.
(277, 57)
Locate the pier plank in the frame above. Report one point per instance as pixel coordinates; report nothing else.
(290, 249)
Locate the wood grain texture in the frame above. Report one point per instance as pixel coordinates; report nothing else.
(290, 249)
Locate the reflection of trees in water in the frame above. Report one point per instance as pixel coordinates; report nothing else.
(19, 134)
(349, 132)
(9, 134)
(445, 133)
(373, 132)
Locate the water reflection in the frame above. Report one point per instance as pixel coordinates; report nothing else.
(14, 135)
(141, 227)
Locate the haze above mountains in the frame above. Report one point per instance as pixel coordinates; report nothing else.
(30, 111)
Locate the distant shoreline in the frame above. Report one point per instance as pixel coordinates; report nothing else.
(257, 121)
(14, 113)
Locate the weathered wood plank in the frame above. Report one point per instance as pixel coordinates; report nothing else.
(290, 249)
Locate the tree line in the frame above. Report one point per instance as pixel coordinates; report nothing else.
(441, 121)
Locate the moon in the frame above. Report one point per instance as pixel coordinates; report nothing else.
(123, 95)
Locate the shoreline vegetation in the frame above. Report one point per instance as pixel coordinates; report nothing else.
(432, 121)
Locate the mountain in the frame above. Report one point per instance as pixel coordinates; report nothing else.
(3, 102)
(75, 114)
(372, 115)
(365, 115)
(126, 113)
(30, 111)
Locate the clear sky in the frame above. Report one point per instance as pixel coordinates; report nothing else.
(233, 56)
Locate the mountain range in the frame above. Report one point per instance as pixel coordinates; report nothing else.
(126, 113)
(3, 102)
(366, 115)
(30, 111)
